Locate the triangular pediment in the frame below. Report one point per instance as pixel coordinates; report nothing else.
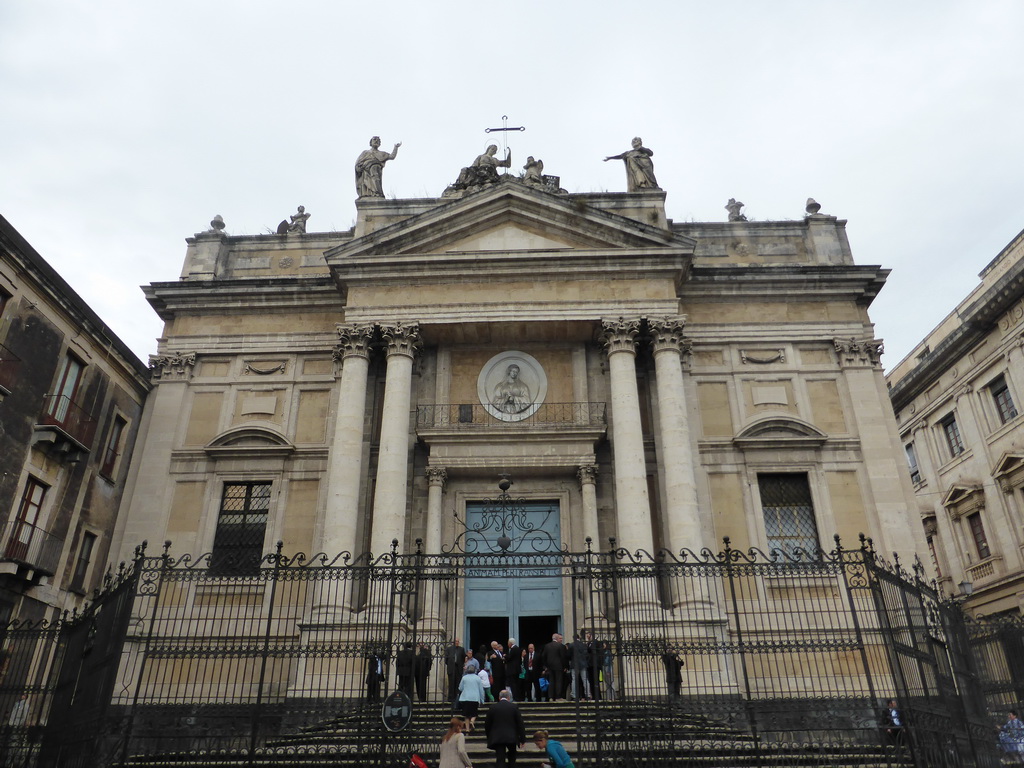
(512, 217)
(1007, 464)
(509, 236)
(958, 494)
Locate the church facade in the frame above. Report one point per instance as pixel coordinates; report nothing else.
(662, 384)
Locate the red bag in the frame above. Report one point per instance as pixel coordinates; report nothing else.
(417, 762)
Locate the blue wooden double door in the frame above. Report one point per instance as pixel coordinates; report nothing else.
(524, 598)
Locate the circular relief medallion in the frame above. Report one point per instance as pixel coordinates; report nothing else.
(512, 386)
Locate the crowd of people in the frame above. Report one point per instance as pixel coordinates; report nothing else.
(582, 669)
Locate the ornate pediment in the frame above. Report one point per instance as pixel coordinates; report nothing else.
(1009, 471)
(963, 499)
(780, 432)
(249, 440)
(511, 218)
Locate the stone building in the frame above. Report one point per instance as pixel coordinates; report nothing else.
(71, 397)
(666, 384)
(956, 398)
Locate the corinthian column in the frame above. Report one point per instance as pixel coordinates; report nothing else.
(436, 478)
(587, 474)
(389, 500)
(345, 474)
(632, 506)
(683, 517)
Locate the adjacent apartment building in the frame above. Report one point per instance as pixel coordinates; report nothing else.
(71, 397)
(958, 398)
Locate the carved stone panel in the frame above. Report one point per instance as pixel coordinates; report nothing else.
(512, 385)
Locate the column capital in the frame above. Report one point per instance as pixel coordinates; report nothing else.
(353, 341)
(620, 335)
(587, 474)
(401, 338)
(859, 352)
(667, 334)
(176, 366)
(437, 476)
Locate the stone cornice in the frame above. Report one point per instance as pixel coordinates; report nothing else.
(860, 284)
(243, 296)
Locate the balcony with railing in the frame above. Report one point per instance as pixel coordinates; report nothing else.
(27, 547)
(544, 417)
(9, 365)
(66, 425)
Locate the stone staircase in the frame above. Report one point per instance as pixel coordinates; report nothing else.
(688, 739)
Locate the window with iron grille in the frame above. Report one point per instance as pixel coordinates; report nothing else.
(915, 473)
(952, 432)
(1003, 400)
(788, 512)
(24, 531)
(978, 533)
(241, 526)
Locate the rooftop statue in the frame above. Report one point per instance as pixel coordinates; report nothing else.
(217, 224)
(484, 169)
(534, 171)
(639, 167)
(298, 222)
(733, 207)
(370, 168)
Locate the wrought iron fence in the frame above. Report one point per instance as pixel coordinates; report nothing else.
(728, 658)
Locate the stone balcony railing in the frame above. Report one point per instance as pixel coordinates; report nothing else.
(986, 569)
(468, 416)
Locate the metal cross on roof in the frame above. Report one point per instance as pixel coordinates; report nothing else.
(504, 131)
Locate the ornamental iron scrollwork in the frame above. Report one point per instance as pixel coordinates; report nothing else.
(504, 527)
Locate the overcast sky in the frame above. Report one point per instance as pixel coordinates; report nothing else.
(127, 125)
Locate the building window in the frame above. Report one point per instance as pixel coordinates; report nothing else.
(113, 449)
(978, 533)
(788, 512)
(24, 529)
(915, 473)
(1002, 399)
(84, 559)
(62, 399)
(241, 526)
(952, 432)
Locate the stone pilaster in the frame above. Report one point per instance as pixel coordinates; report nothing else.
(680, 483)
(632, 504)
(389, 501)
(587, 475)
(177, 366)
(346, 459)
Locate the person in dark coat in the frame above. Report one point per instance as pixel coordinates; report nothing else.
(454, 660)
(404, 660)
(421, 670)
(496, 655)
(673, 672)
(375, 666)
(505, 730)
(534, 666)
(580, 669)
(513, 667)
(555, 658)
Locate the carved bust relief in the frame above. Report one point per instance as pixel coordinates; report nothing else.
(512, 386)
